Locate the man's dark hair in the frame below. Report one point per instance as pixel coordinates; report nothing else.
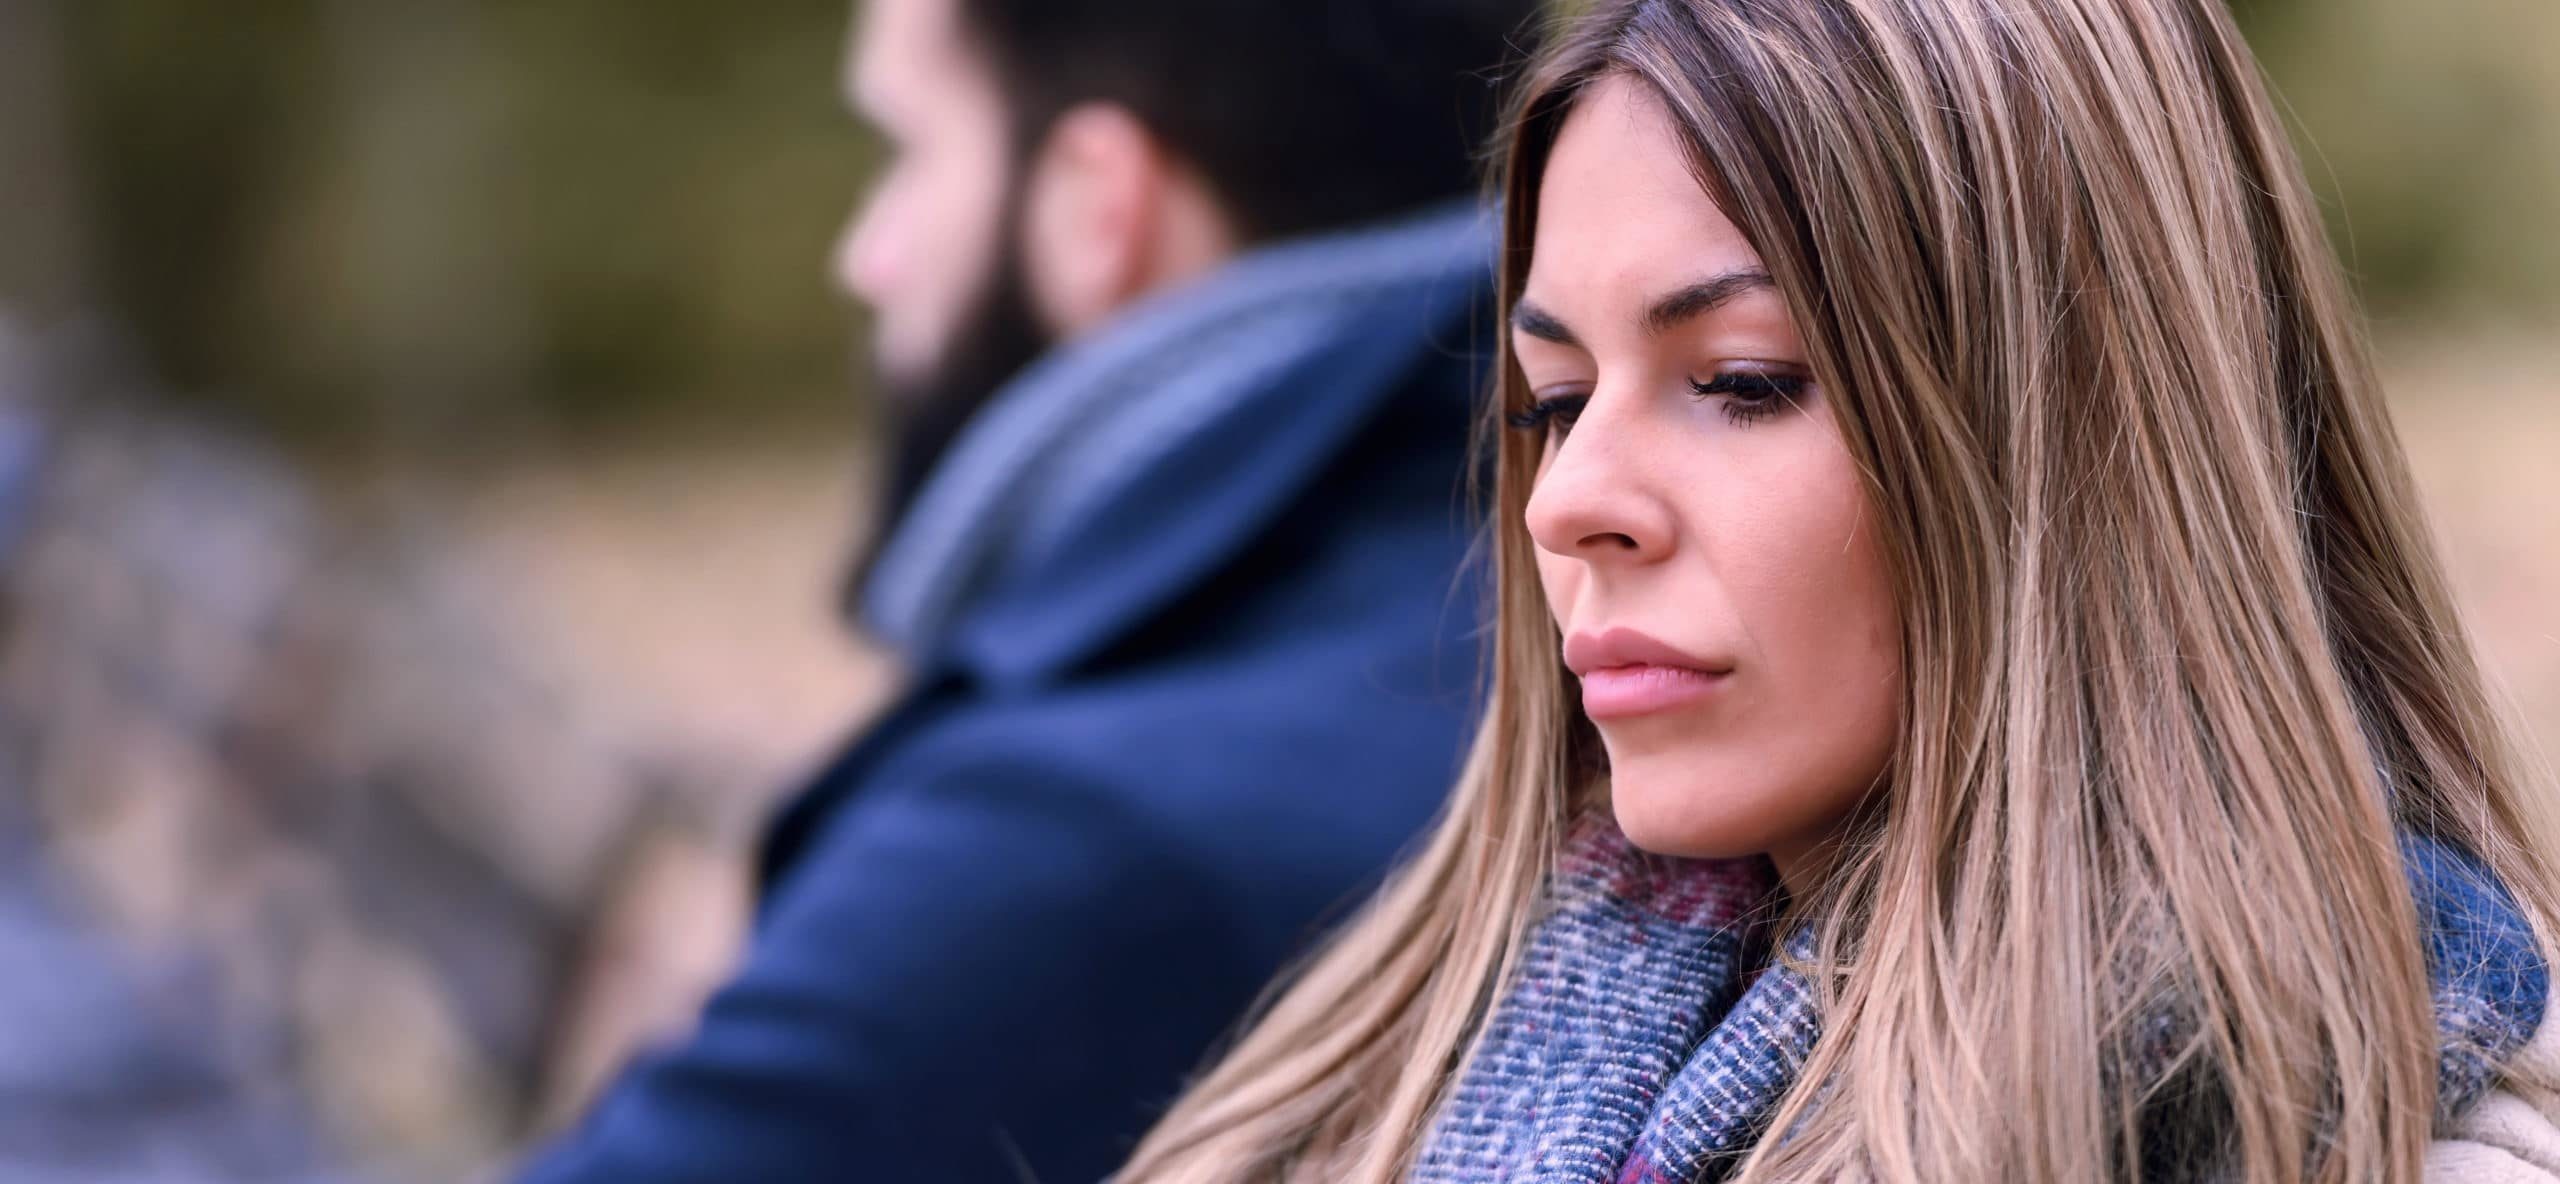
(1302, 114)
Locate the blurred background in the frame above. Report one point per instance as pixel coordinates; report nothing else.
(428, 446)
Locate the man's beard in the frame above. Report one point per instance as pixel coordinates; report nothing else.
(924, 415)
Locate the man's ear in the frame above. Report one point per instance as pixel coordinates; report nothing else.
(1109, 215)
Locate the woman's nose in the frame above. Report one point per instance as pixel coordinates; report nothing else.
(1592, 500)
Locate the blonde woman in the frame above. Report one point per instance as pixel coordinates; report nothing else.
(1973, 700)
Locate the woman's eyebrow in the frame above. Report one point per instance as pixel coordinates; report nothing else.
(1663, 315)
(1541, 324)
(1703, 297)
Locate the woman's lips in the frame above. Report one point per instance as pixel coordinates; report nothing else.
(1626, 673)
(1624, 692)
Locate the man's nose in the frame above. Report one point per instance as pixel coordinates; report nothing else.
(862, 263)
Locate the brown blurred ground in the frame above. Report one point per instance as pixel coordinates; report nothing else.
(2481, 420)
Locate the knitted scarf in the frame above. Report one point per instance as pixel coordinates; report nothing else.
(1642, 1043)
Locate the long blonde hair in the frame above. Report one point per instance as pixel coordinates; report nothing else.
(2181, 659)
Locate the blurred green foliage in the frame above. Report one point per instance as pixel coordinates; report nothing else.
(2432, 131)
(339, 214)
(439, 218)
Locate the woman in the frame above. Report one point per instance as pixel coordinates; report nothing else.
(1947, 460)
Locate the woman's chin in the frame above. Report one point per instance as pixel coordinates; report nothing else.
(1669, 820)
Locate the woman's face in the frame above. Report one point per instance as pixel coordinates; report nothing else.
(1702, 533)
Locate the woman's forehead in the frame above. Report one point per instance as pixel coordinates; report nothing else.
(1624, 230)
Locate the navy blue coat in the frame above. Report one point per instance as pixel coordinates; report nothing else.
(1001, 930)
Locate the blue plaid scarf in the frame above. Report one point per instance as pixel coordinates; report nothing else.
(1642, 1043)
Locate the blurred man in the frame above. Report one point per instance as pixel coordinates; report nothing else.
(1178, 305)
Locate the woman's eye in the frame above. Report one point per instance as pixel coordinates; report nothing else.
(1751, 395)
(1553, 417)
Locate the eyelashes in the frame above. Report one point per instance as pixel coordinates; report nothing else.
(1750, 396)
(1554, 415)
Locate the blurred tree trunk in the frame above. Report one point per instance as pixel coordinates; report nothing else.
(43, 263)
(442, 316)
